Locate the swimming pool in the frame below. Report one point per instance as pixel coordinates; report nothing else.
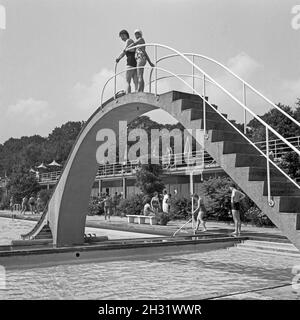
(185, 276)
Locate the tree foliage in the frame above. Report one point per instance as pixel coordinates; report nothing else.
(27, 152)
(277, 121)
(22, 184)
(148, 179)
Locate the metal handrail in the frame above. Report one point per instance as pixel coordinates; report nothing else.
(205, 75)
(179, 74)
(207, 157)
(271, 202)
(216, 83)
(245, 83)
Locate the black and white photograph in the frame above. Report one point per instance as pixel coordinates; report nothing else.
(149, 154)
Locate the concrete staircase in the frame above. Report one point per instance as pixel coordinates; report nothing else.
(45, 233)
(66, 213)
(278, 248)
(243, 163)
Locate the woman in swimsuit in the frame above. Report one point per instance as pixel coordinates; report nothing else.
(147, 208)
(200, 211)
(141, 57)
(155, 205)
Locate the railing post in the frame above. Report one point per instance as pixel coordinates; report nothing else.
(270, 201)
(245, 111)
(155, 57)
(193, 73)
(275, 149)
(204, 105)
(115, 81)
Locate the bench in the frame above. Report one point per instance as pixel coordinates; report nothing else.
(132, 218)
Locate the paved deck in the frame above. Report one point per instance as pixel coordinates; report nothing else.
(119, 223)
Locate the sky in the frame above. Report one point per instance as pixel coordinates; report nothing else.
(56, 55)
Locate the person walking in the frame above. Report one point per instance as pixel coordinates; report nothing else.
(236, 197)
(166, 202)
(200, 211)
(32, 206)
(107, 206)
(115, 202)
(11, 207)
(141, 57)
(39, 204)
(131, 72)
(24, 205)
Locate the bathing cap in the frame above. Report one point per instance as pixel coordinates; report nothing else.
(138, 31)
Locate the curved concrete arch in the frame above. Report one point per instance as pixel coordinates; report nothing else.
(67, 208)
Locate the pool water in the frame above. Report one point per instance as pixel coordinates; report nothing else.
(185, 276)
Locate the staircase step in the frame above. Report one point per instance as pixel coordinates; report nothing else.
(177, 95)
(273, 243)
(239, 147)
(248, 160)
(187, 104)
(212, 115)
(281, 188)
(211, 125)
(282, 252)
(289, 204)
(221, 135)
(270, 248)
(260, 174)
(270, 245)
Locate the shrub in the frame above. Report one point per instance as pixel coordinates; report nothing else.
(255, 216)
(132, 205)
(22, 184)
(163, 218)
(148, 179)
(94, 207)
(4, 204)
(45, 195)
(180, 208)
(216, 194)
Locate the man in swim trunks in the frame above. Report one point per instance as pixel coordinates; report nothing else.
(236, 197)
(200, 211)
(131, 72)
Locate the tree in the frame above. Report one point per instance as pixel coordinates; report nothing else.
(277, 121)
(291, 162)
(148, 179)
(27, 152)
(21, 184)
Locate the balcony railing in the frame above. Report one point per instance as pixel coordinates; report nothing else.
(173, 163)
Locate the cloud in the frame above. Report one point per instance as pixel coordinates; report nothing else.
(289, 92)
(88, 96)
(243, 65)
(34, 111)
(25, 117)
